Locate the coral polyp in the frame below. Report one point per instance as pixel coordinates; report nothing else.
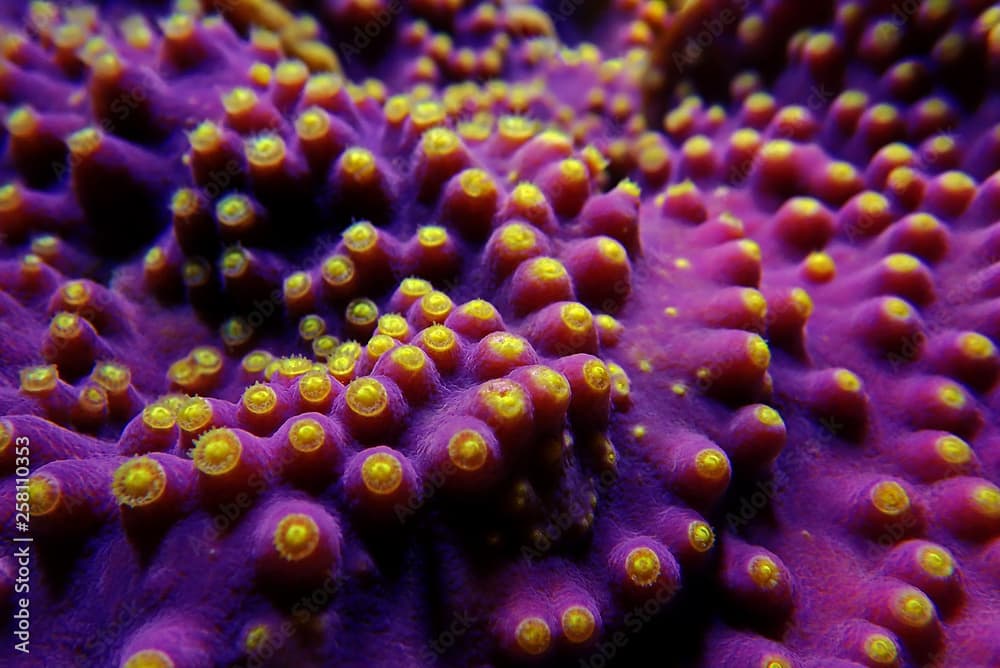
(442, 333)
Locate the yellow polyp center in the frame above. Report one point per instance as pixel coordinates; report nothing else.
(293, 366)
(436, 304)
(547, 269)
(306, 435)
(195, 414)
(771, 661)
(896, 308)
(394, 325)
(358, 163)
(39, 379)
(953, 450)
(260, 399)
(415, 287)
(913, 608)
(22, 122)
(75, 293)
(711, 464)
(43, 494)
(158, 417)
(986, 498)
(820, 266)
(507, 346)
(976, 346)
(239, 100)
(296, 536)
(149, 658)
(178, 26)
(504, 399)
(576, 317)
(440, 142)
(476, 183)
(527, 195)
(700, 536)
(65, 326)
(846, 380)
(311, 326)
(256, 638)
(312, 123)
(889, 498)
(764, 572)
(533, 635)
(315, 386)
(323, 85)
(480, 310)
(360, 237)
(234, 211)
(952, 396)
(518, 237)
(291, 72)
(217, 452)
(410, 358)
(768, 416)
(642, 566)
(881, 649)
(256, 361)
(184, 202)
(467, 450)
(553, 382)
(139, 482)
(10, 197)
(754, 302)
(112, 377)
(337, 269)
(432, 236)
(382, 473)
(206, 137)
(439, 338)
(936, 561)
(380, 344)
(84, 142)
(366, 397)
(901, 263)
(759, 353)
(266, 150)
(596, 376)
(578, 624)
(92, 399)
(234, 263)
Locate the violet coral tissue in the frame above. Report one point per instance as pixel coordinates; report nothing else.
(416, 333)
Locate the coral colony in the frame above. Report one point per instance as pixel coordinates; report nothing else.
(415, 333)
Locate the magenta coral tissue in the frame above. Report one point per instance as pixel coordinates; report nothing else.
(500, 333)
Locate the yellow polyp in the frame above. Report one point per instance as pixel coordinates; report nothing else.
(432, 236)
(315, 386)
(158, 417)
(312, 123)
(206, 137)
(111, 376)
(436, 305)
(6, 435)
(764, 572)
(847, 381)
(700, 536)
(409, 358)
(427, 114)
(504, 399)
(533, 636)
(92, 399)
(256, 361)
(820, 267)
(952, 396)
(217, 452)
(889, 498)
(768, 416)
(337, 270)
(257, 638)
(266, 150)
(149, 658)
(505, 345)
(10, 197)
(976, 346)
(772, 661)
(234, 211)
(711, 464)
(881, 649)
(639, 432)
(182, 372)
(294, 365)
(479, 309)
(239, 100)
(178, 26)
(75, 293)
(440, 142)
(936, 561)
(311, 326)
(342, 367)
(379, 344)
(642, 566)
(234, 263)
(296, 536)
(22, 122)
(467, 450)
(576, 317)
(516, 128)
(415, 287)
(367, 397)
(139, 482)
(351, 349)
(527, 196)
(382, 473)
(754, 302)
(44, 494)
(912, 607)
(306, 435)
(394, 325)
(986, 500)
(291, 73)
(596, 376)
(896, 308)
(953, 450)
(438, 338)
(573, 170)
(39, 379)
(358, 163)
(578, 624)
(682, 263)
(195, 414)
(777, 150)
(758, 352)
(901, 263)
(360, 237)
(65, 326)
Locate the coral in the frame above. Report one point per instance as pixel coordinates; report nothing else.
(490, 334)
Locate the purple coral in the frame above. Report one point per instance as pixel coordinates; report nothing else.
(471, 334)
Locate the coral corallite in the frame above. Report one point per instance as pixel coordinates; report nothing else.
(415, 333)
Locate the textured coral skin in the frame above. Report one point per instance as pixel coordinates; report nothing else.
(432, 333)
